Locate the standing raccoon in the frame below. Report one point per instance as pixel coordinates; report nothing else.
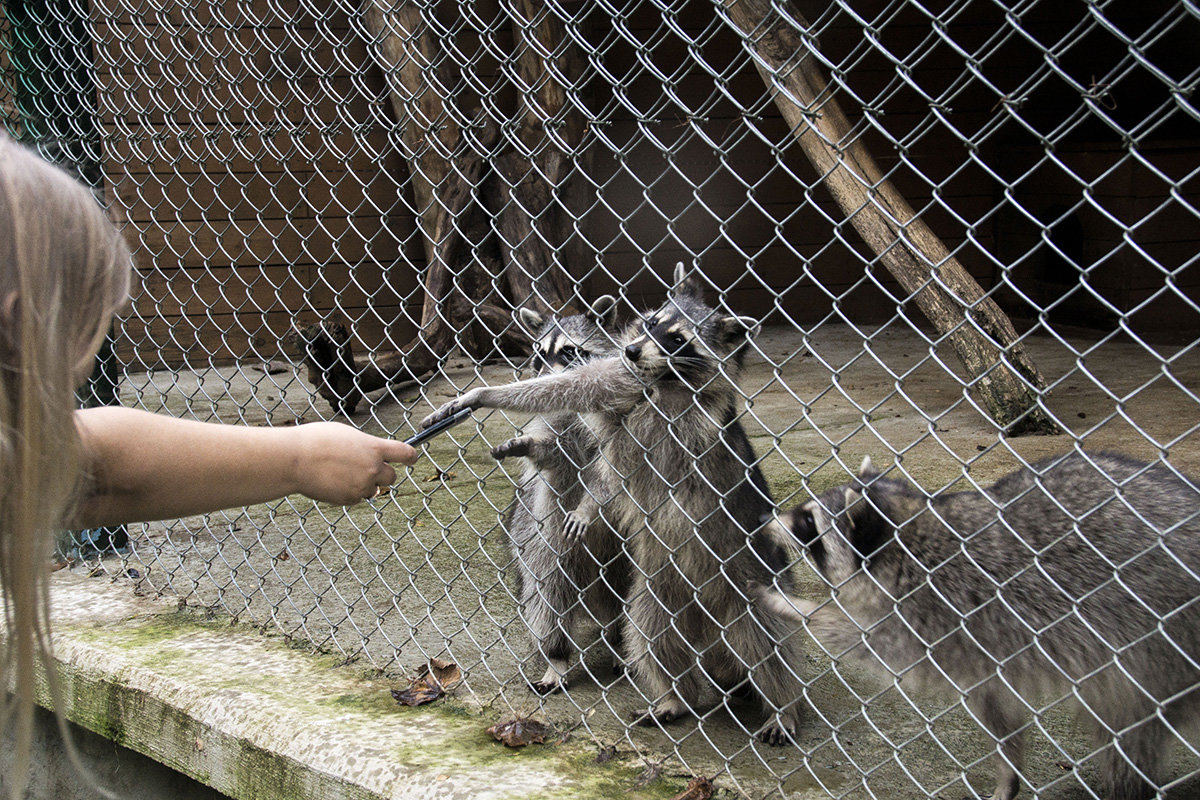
(1078, 575)
(564, 574)
(684, 489)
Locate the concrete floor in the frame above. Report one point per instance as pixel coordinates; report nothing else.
(423, 572)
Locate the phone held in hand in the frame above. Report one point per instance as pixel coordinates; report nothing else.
(421, 437)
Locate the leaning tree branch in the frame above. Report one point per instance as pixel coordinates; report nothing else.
(981, 334)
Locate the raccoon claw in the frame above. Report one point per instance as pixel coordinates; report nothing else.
(547, 687)
(513, 448)
(776, 735)
(574, 527)
(448, 410)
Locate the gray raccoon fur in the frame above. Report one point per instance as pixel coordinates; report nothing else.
(687, 495)
(1077, 575)
(561, 580)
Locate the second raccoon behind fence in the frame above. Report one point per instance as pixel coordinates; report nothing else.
(564, 576)
(1076, 575)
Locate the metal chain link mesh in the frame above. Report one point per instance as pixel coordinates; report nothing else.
(279, 165)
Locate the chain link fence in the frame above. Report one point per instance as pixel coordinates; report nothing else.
(337, 208)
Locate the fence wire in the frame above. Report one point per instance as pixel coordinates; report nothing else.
(342, 210)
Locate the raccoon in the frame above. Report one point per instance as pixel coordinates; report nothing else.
(683, 486)
(561, 580)
(1078, 575)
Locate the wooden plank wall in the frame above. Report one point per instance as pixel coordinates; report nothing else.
(253, 147)
(256, 175)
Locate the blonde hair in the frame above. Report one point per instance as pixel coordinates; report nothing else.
(64, 271)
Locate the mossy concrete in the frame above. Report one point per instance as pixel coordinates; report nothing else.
(257, 718)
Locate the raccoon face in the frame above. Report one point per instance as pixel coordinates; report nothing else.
(842, 529)
(561, 343)
(667, 343)
(686, 340)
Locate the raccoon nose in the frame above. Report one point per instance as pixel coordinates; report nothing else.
(633, 352)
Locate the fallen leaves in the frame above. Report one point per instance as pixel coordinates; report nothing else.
(698, 788)
(520, 731)
(435, 680)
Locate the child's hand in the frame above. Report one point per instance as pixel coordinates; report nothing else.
(336, 463)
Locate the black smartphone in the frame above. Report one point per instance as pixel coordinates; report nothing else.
(433, 430)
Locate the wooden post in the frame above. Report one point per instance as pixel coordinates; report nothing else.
(1003, 374)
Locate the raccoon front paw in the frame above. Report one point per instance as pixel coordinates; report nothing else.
(655, 716)
(777, 734)
(517, 447)
(548, 687)
(450, 409)
(575, 526)
(553, 681)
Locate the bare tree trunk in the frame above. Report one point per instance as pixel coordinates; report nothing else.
(450, 180)
(536, 191)
(981, 334)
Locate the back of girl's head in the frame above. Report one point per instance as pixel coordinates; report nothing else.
(64, 270)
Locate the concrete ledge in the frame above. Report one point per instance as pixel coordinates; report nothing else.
(256, 719)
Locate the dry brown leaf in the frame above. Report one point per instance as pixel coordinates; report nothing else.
(434, 680)
(698, 788)
(520, 731)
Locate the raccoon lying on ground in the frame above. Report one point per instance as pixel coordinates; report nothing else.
(1077, 575)
(564, 575)
(687, 495)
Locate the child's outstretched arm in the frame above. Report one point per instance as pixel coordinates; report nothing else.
(147, 466)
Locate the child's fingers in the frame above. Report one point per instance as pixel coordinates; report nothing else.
(395, 452)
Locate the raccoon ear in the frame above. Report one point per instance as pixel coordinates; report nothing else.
(851, 497)
(686, 284)
(866, 470)
(601, 310)
(530, 320)
(735, 328)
